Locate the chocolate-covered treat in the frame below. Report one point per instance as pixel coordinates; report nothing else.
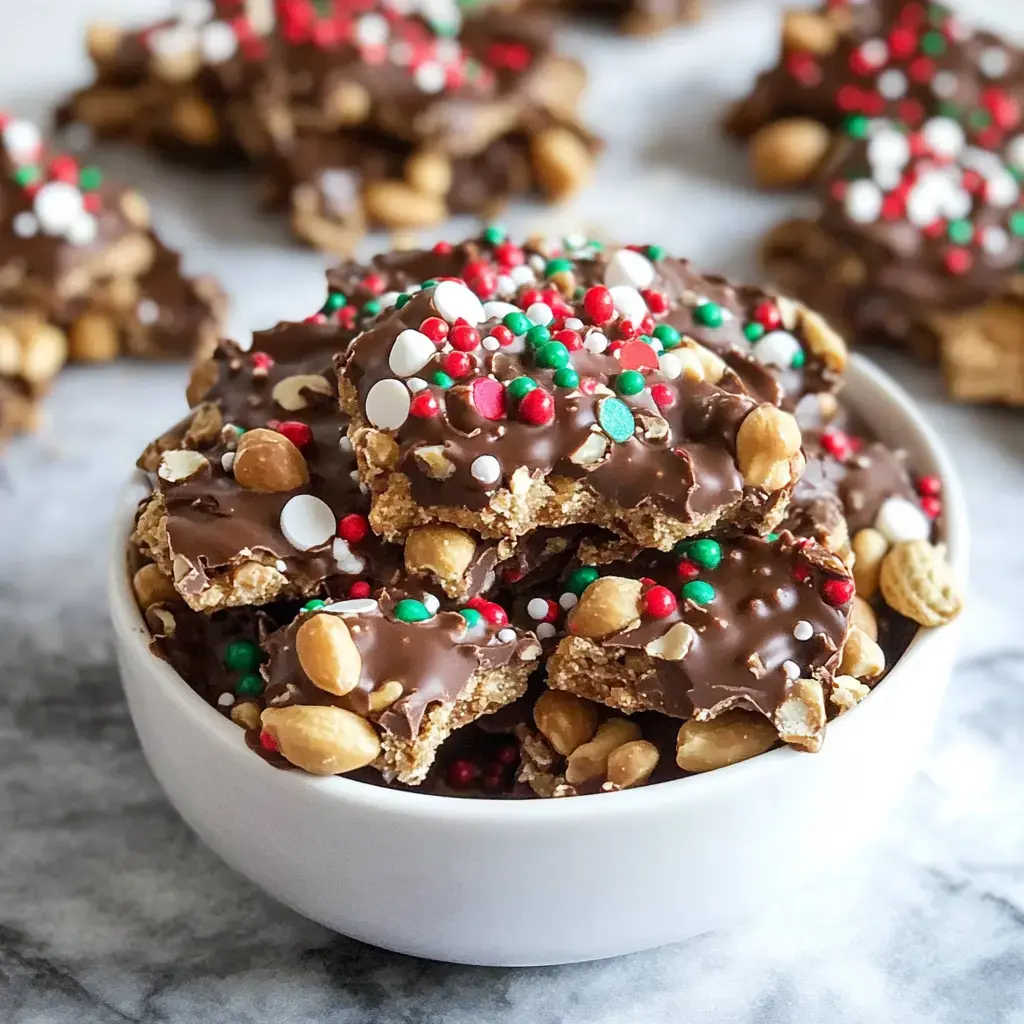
(849, 61)
(79, 252)
(384, 682)
(918, 242)
(553, 387)
(758, 623)
(383, 116)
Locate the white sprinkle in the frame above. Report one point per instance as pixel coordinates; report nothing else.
(792, 669)
(490, 343)
(387, 404)
(899, 519)
(354, 476)
(281, 565)
(195, 12)
(431, 603)
(227, 460)
(568, 600)
(540, 313)
(945, 84)
(495, 310)
(537, 263)
(545, 630)
(629, 302)
(522, 275)
(1002, 190)
(888, 148)
(486, 469)
(506, 286)
(537, 609)
(22, 141)
(147, 311)
(411, 351)
(506, 635)
(944, 136)
(416, 384)
(388, 299)
(58, 205)
(83, 230)
(348, 561)
(218, 42)
(863, 201)
(573, 324)
(453, 300)
(225, 700)
(926, 199)
(372, 30)
(995, 241)
(776, 348)
(874, 52)
(670, 365)
(892, 84)
(307, 522)
(803, 630)
(25, 225)
(354, 606)
(595, 342)
(630, 268)
(344, 443)
(994, 62)
(1015, 152)
(430, 77)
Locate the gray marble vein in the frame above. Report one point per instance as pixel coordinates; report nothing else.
(111, 911)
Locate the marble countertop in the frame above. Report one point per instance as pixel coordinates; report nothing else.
(111, 911)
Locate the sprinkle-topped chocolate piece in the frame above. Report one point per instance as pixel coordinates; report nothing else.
(717, 624)
(385, 682)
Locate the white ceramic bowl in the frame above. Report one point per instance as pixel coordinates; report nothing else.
(546, 881)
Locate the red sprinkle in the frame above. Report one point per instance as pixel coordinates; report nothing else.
(570, 339)
(461, 773)
(353, 528)
(63, 168)
(373, 283)
(443, 248)
(298, 433)
(464, 338)
(929, 485)
(503, 334)
(837, 591)
(489, 398)
(424, 406)
(267, 742)
(537, 408)
(837, 444)
(931, 507)
(656, 301)
(458, 364)
(767, 315)
(494, 614)
(435, 329)
(507, 755)
(801, 573)
(664, 397)
(261, 361)
(359, 589)
(688, 570)
(509, 255)
(476, 602)
(660, 602)
(638, 355)
(598, 304)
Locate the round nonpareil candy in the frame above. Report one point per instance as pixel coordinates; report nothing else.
(307, 522)
(387, 404)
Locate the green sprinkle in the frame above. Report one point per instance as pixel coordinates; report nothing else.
(557, 266)
(518, 323)
(655, 253)
(408, 610)
(335, 301)
(798, 360)
(706, 553)
(314, 605)
(857, 125)
(552, 355)
(429, 283)
(494, 234)
(1017, 222)
(567, 377)
(709, 314)
(771, 537)
(580, 579)
(682, 547)
(537, 336)
(242, 656)
(960, 231)
(979, 118)
(250, 685)
(646, 339)
(629, 382)
(933, 44)
(90, 178)
(519, 388)
(472, 616)
(667, 335)
(699, 592)
(402, 300)
(753, 331)
(443, 380)
(26, 175)
(372, 308)
(616, 419)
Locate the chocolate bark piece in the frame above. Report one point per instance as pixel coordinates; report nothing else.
(919, 237)
(500, 427)
(414, 676)
(895, 59)
(644, 17)
(757, 623)
(79, 251)
(32, 352)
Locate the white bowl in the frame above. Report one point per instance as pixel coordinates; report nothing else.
(547, 881)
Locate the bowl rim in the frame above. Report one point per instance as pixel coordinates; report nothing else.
(130, 631)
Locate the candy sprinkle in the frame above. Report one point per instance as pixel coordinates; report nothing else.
(698, 591)
(616, 419)
(408, 610)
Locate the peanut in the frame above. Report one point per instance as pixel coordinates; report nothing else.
(788, 152)
(445, 551)
(152, 586)
(429, 172)
(93, 338)
(632, 763)
(561, 162)
(731, 737)
(432, 461)
(674, 645)
(102, 41)
(862, 657)
(135, 209)
(847, 692)
(916, 581)
(195, 121)
(800, 718)
(591, 759)
(269, 462)
(328, 655)
(767, 443)
(806, 30)
(394, 204)
(609, 605)
(869, 548)
(246, 714)
(348, 103)
(567, 721)
(180, 464)
(202, 377)
(823, 341)
(862, 615)
(43, 351)
(290, 393)
(322, 740)
(385, 695)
